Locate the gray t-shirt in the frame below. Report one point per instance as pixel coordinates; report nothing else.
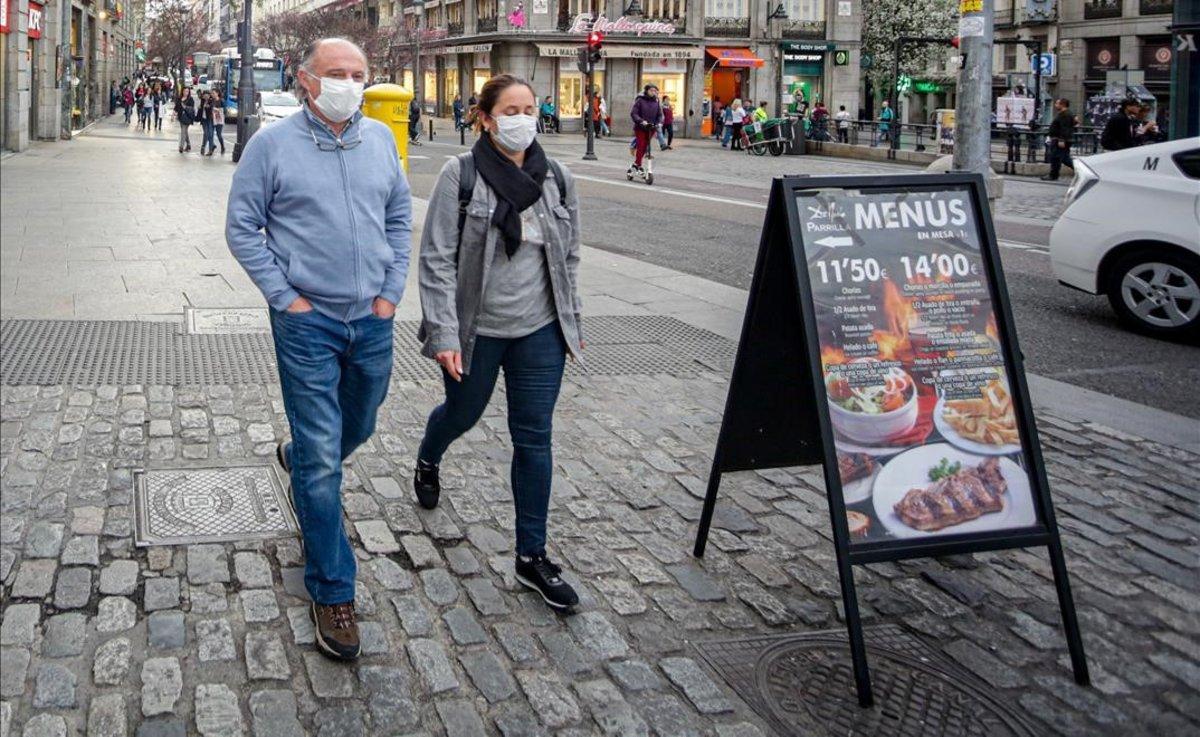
(518, 298)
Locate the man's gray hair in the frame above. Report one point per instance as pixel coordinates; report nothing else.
(310, 53)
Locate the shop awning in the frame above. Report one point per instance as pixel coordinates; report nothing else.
(734, 57)
(625, 51)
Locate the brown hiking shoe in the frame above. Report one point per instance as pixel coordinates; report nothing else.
(336, 630)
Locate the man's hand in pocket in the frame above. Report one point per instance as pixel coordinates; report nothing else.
(382, 308)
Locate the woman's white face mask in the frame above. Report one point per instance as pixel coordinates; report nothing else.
(515, 132)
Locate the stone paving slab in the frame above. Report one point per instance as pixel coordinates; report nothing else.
(101, 638)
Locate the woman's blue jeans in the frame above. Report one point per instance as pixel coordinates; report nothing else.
(207, 141)
(334, 375)
(533, 370)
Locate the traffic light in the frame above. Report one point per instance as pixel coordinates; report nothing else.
(582, 61)
(595, 40)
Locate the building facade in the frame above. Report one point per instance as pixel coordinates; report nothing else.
(58, 59)
(695, 51)
(1099, 37)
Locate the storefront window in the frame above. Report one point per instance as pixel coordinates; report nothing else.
(451, 84)
(429, 88)
(480, 78)
(570, 91)
(670, 78)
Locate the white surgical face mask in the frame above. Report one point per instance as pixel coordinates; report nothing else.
(515, 132)
(339, 98)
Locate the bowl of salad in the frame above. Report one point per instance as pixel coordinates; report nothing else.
(875, 412)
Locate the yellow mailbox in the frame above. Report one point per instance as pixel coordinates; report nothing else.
(388, 103)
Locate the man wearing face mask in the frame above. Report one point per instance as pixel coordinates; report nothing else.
(320, 217)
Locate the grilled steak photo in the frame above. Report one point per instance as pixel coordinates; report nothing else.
(961, 497)
(854, 466)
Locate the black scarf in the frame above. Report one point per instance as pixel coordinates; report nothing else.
(516, 188)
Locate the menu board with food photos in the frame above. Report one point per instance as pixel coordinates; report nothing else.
(919, 393)
(878, 341)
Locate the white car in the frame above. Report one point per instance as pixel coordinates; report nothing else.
(1131, 231)
(277, 105)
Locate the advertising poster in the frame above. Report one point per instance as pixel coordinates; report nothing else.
(1016, 111)
(918, 389)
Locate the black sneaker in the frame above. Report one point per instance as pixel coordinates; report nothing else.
(539, 574)
(282, 456)
(427, 484)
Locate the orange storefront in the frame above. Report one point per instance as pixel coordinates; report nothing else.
(727, 76)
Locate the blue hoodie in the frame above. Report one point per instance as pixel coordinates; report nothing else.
(334, 227)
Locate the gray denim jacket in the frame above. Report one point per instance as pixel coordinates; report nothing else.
(452, 279)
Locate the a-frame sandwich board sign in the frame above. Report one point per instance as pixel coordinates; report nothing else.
(879, 341)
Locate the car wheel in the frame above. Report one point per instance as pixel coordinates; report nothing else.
(1157, 293)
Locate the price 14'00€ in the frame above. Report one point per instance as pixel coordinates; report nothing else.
(942, 265)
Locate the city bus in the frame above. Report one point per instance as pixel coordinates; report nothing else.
(224, 72)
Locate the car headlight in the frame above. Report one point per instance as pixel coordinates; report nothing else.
(1085, 179)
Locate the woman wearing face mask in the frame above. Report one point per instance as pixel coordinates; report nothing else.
(498, 290)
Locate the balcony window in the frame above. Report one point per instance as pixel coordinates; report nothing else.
(486, 21)
(1101, 9)
(1156, 7)
(675, 10)
(727, 18)
(806, 19)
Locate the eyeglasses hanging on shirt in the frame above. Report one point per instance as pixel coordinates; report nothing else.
(338, 142)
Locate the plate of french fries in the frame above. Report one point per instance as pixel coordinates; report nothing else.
(983, 423)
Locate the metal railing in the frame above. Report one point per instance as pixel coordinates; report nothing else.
(1101, 9)
(727, 27)
(1156, 7)
(486, 25)
(803, 29)
(454, 29)
(1015, 145)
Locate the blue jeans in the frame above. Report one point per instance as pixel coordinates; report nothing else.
(334, 375)
(207, 141)
(533, 370)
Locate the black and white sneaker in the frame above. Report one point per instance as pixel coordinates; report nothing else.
(427, 484)
(281, 455)
(539, 574)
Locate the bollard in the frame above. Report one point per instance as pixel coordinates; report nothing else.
(431, 129)
(388, 103)
(462, 135)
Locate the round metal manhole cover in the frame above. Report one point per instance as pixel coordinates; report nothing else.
(811, 682)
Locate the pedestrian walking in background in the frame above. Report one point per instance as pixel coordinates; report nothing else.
(1059, 138)
(498, 276)
(734, 119)
(1120, 132)
(718, 119)
(820, 121)
(185, 113)
(599, 115)
(218, 121)
(646, 114)
(127, 103)
(314, 193)
(605, 118)
(843, 124)
(204, 112)
(114, 93)
(160, 99)
(457, 108)
(666, 134)
(886, 116)
(414, 120)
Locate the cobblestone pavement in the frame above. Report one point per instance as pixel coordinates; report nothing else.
(102, 638)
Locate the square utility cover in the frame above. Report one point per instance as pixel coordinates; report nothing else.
(181, 506)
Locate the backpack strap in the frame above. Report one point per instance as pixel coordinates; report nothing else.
(466, 188)
(560, 181)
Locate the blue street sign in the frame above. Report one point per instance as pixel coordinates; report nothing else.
(1047, 64)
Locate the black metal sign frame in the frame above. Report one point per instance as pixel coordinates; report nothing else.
(777, 411)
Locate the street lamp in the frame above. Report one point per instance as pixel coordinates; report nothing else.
(247, 121)
(778, 14)
(634, 9)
